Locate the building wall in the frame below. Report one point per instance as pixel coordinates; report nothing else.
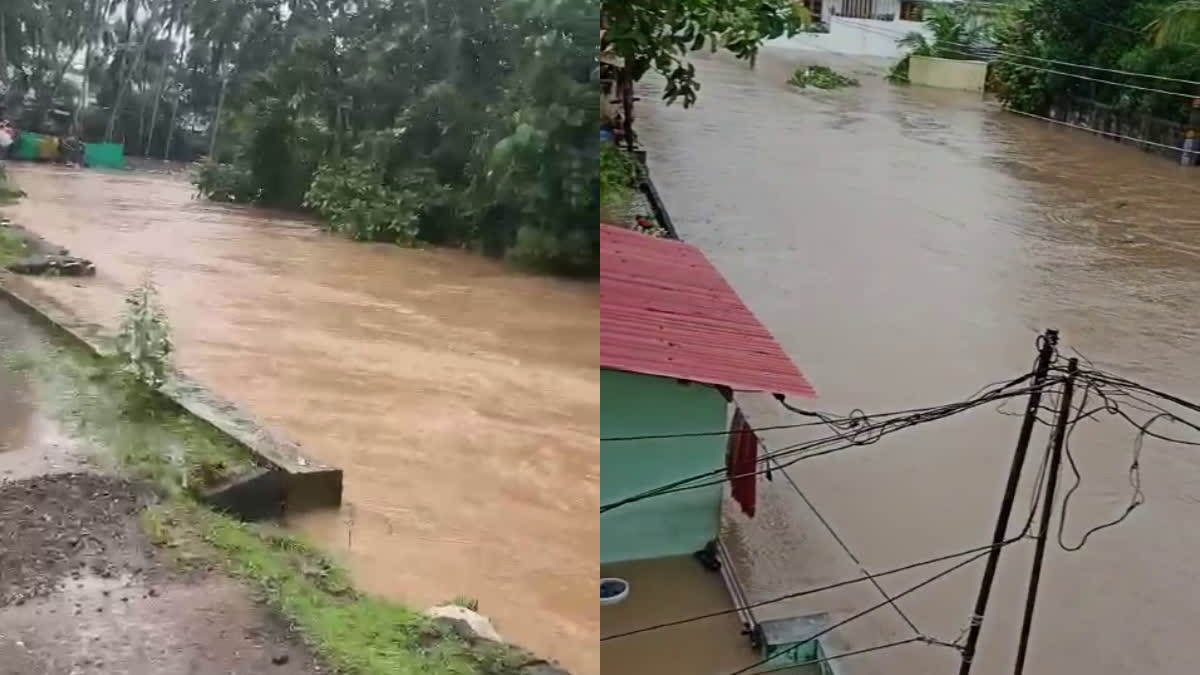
(675, 524)
(947, 73)
(855, 37)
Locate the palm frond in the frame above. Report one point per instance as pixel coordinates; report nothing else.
(1179, 23)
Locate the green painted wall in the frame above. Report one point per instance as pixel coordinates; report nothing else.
(675, 524)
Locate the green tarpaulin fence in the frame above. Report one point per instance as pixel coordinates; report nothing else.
(104, 155)
(31, 146)
(27, 146)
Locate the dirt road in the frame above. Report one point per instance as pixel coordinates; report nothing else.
(82, 591)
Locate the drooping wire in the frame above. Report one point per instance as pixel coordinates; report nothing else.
(866, 576)
(865, 650)
(849, 553)
(859, 433)
(834, 626)
(700, 434)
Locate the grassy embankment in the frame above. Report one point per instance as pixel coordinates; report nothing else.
(141, 435)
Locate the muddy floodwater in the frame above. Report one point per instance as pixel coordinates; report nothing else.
(460, 398)
(906, 246)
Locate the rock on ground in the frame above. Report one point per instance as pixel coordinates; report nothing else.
(82, 591)
(465, 623)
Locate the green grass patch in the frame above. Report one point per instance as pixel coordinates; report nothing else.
(12, 247)
(353, 632)
(141, 432)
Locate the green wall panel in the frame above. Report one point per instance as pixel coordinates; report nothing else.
(675, 524)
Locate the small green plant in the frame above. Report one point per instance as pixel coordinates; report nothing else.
(898, 74)
(144, 341)
(820, 77)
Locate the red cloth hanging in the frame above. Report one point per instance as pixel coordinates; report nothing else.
(741, 463)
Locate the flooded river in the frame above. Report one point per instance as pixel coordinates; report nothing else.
(906, 246)
(460, 398)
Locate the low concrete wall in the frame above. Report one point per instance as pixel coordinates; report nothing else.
(306, 483)
(947, 73)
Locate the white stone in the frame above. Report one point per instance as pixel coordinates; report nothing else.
(468, 624)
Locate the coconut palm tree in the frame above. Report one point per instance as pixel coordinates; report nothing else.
(1178, 24)
(955, 33)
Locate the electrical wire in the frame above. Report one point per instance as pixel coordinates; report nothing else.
(849, 553)
(866, 576)
(814, 590)
(862, 434)
(1101, 132)
(699, 434)
(834, 626)
(865, 650)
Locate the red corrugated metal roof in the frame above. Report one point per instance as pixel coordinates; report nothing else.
(665, 310)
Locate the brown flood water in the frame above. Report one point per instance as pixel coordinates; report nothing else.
(906, 246)
(460, 398)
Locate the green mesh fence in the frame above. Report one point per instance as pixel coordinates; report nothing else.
(104, 155)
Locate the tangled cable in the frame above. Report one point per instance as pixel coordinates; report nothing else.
(854, 430)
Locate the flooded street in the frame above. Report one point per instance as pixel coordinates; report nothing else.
(460, 398)
(906, 246)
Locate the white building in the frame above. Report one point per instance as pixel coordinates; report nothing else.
(860, 27)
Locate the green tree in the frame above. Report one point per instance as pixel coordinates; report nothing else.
(660, 35)
(1178, 24)
(1146, 37)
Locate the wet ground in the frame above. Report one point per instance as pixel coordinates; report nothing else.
(460, 397)
(83, 592)
(31, 442)
(906, 246)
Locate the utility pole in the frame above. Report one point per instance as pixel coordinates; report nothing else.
(1056, 453)
(1046, 350)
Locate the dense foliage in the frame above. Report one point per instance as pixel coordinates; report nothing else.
(463, 123)
(1154, 37)
(660, 35)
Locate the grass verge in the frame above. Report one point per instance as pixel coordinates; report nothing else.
(12, 247)
(353, 633)
(141, 433)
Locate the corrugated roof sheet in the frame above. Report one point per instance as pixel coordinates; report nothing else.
(665, 310)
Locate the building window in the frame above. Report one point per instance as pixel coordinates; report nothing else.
(857, 9)
(910, 10)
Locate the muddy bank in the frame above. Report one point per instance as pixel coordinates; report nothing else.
(460, 398)
(83, 591)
